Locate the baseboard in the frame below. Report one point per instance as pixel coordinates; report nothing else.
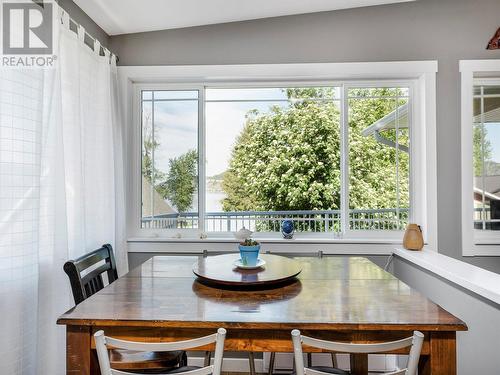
(283, 361)
(231, 364)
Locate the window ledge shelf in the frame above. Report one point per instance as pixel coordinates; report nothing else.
(477, 280)
(266, 240)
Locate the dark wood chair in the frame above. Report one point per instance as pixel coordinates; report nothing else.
(86, 278)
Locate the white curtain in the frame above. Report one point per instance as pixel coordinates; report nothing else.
(61, 193)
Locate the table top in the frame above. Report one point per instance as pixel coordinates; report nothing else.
(333, 293)
(220, 270)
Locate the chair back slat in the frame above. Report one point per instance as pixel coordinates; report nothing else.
(102, 343)
(93, 284)
(88, 260)
(415, 342)
(94, 274)
(200, 371)
(357, 348)
(161, 346)
(85, 273)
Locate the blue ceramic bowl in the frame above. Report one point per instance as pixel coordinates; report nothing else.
(249, 255)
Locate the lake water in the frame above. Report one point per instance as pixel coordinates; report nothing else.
(213, 201)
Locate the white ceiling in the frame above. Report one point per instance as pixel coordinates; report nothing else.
(132, 16)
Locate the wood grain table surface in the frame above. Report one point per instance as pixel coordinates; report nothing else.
(337, 298)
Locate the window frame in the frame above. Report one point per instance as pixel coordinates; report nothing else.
(421, 83)
(475, 242)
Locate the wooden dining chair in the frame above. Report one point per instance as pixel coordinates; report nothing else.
(102, 342)
(415, 342)
(86, 278)
(85, 273)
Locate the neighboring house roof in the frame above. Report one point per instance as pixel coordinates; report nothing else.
(490, 116)
(478, 193)
(491, 184)
(397, 117)
(490, 106)
(161, 207)
(389, 121)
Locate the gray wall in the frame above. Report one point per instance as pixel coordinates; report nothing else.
(446, 30)
(81, 17)
(477, 349)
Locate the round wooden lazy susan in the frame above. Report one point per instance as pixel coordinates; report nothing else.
(220, 270)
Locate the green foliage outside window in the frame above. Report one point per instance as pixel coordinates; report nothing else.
(289, 159)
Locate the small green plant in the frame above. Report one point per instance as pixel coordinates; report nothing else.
(249, 242)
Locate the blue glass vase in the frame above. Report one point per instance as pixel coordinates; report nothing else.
(287, 229)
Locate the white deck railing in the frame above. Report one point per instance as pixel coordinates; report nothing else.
(270, 221)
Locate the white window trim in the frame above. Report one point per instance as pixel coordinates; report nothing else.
(474, 242)
(423, 73)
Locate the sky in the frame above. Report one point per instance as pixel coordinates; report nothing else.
(493, 131)
(225, 121)
(176, 128)
(176, 124)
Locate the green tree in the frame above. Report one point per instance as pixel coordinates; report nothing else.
(149, 145)
(289, 158)
(179, 184)
(181, 181)
(373, 183)
(482, 150)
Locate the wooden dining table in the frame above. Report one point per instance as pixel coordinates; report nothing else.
(341, 298)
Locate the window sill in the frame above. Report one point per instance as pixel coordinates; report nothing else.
(311, 240)
(477, 280)
(298, 246)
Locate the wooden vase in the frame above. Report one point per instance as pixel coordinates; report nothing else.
(413, 239)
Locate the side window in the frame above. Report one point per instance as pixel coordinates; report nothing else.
(486, 156)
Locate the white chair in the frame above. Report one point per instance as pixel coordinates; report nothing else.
(415, 342)
(102, 342)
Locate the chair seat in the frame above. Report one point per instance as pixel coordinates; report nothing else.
(121, 359)
(183, 369)
(330, 370)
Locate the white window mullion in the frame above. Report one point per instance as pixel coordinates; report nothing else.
(398, 192)
(153, 175)
(483, 164)
(344, 162)
(201, 159)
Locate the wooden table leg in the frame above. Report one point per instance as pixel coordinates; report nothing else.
(443, 355)
(251, 363)
(424, 365)
(78, 350)
(359, 364)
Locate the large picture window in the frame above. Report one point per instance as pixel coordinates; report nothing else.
(334, 158)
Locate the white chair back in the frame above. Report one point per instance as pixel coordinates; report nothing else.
(415, 342)
(102, 342)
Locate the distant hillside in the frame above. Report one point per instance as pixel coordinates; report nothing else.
(214, 183)
(219, 176)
